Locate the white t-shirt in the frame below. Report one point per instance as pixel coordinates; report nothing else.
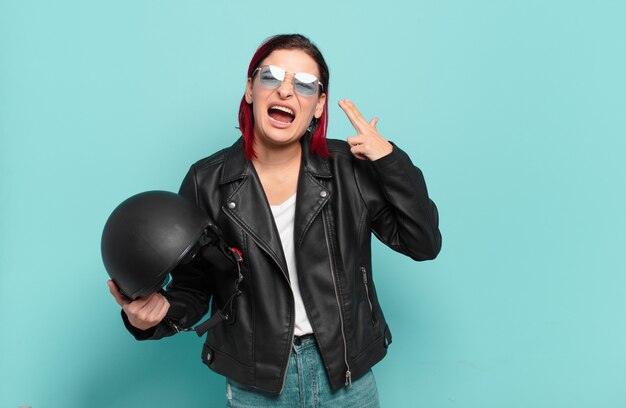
(284, 216)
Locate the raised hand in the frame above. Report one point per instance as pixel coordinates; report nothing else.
(368, 143)
(143, 313)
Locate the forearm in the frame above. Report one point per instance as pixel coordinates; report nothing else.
(188, 296)
(407, 220)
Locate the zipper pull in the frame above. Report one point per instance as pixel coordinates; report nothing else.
(348, 379)
(364, 272)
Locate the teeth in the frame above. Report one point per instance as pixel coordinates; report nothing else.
(284, 109)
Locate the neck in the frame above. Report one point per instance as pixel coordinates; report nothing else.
(278, 170)
(277, 158)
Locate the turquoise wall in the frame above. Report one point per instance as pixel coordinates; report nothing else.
(514, 110)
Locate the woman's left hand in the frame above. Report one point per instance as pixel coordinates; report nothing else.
(368, 143)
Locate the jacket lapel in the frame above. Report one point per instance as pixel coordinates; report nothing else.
(312, 193)
(247, 205)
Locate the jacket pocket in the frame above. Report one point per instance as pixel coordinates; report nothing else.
(367, 292)
(367, 330)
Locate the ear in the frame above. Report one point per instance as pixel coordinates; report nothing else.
(248, 94)
(319, 107)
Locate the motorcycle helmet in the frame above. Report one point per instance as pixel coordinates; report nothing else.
(148, 235)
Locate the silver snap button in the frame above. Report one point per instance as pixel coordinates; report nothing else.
(232, 205)
(323, 193)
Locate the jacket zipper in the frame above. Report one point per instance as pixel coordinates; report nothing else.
(367, 291)
(348, 382)
(266, 249)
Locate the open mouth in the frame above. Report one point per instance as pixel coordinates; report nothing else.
(281, 114)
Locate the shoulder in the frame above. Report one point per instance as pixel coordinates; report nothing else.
(216, 160)
(210, 162)
(205, 176)
(338, 147)
(340, 154)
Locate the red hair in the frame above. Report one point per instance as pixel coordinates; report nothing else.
(246, 116)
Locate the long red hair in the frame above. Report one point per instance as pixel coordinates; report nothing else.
(287, 42)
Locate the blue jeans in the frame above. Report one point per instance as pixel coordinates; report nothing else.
(306, 386)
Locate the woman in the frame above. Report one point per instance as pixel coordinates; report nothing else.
(306, 325)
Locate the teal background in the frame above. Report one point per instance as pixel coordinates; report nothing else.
(514, 110)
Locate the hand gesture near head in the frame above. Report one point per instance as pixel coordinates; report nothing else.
(368, 143)
(143, 313)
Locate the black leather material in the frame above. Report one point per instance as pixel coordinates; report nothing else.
(340, 202)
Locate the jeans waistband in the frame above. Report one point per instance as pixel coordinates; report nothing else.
(303, 342)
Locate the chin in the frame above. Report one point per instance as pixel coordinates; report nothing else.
(283, 140)
(282, 136)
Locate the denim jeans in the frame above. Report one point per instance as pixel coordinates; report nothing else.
(306, 386)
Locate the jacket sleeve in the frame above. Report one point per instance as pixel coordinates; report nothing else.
(188, 293)
(403, 216)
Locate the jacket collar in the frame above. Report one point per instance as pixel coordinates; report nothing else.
(237, 167)
(247, 206)
(311, 162)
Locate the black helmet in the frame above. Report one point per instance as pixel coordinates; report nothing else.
(148, 235)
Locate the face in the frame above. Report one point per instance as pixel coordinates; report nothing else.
(281, 115)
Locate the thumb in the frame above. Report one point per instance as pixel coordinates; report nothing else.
(119, 297)
(374, 122)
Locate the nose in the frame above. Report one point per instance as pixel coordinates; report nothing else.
(285, 90)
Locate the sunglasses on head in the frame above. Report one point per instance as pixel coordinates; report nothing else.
(272, 76)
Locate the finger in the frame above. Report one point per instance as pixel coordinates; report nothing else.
(137, 306)
(374, 122)
(160, 310)
(141, 311)
(354, 116)
(119, 297)
(357, 151)
(352, 113)
(145, 319)
(152, 303)
(163, 311)
(355, 140)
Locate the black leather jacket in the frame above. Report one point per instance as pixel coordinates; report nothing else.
(341, 200)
